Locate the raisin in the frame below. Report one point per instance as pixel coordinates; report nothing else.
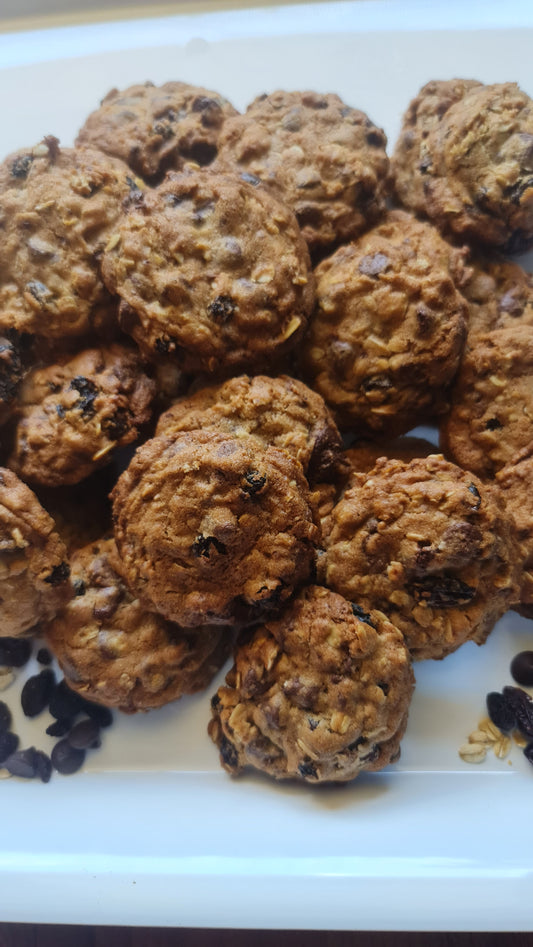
(101, 715)
(522, 707)
(254, 482)
(375, 139)
(64, 703)
(85, 735)
(43, 765)
(23, 763)
(162, 346)
(376, 383)
(500, 711)
(44, 656)
(14, 652)
(493, 424)
(59, 728)
(522, 668)
(222, 309)
(475, 492)
(362, 615)
(528, 752)
(8, 744)
(66, 759)
(442, 591)
(228, 753)
(307, 769)
(79, 587)
(21, 166)
(87, 391)
(37, 692)
(215, 702)
(202, 545)
(5, 717)
(117, 425)
(58, 574)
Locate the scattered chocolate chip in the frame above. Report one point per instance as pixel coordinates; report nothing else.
(44, 656)
(37, 692)
(522, 668)
(522, 707)
(500, 712)
(5, 717)
(85, 735)
(66, 759)
(202, 545)
(254, 482)
(222, 309)
(8, 744)
(58, 574)
(361, 614)
(14, 652)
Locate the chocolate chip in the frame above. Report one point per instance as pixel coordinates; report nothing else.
(222, 309)
(202, 545)
(500, 712)
(5, 717)
(522, 668)
(37, 692)
(66, 759)
(85, 735)
(14, 652)
(8, 744)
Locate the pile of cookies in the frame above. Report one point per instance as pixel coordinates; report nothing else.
(217, 329)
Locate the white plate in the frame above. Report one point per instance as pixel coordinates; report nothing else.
(153, 832)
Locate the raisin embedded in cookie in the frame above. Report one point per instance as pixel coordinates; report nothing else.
(431, 546)
(320, 694)
(74, 414)
(325, 159)
(112, 651)
(490, 422)
(155, 128)
(213, 272)
(212, 528)
(387, 334)
(473, 172)
(500, 295)
(279, 411)
(34, 569)
(58, 207)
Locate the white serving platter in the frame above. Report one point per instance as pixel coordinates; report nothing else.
(152, 831)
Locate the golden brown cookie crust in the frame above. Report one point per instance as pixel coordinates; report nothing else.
(388, 331)
(478, 167)
(515, 482)
(490, 424)
(320, 694)
(500, 295)
(213, 529)
(58, 207)
(72, 416)
(431, 546)
(155, 128)
(280, 411)
(213, 272)
(113, 651)
(325, 159)
(34, 570)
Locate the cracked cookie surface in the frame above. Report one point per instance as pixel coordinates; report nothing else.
(431, 546)
(320, 694)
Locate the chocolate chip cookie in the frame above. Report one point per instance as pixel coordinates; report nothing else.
(112, 651)
(34, 570)
(213, 272)
(324, 158)
(386, 338)
(490, 422)
(212, 528)
(155, 128)
(472, 173)
(73, 415)
(58, 207)
(280, 411)
(320, 694)
(431, 546)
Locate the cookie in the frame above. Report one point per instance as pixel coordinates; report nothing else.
(72, 416)
(515, 481)
(325, 159)
(58, 207)
(280, 411)
(34, 569)
(431, 546)
(363, 456)
(213, 529)
(499, 293)
(112, 651)
(156, 128)
(473, 172)
(11, 372)
(490, 421)
(386, 338)
(320, 694)
(212, 272)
